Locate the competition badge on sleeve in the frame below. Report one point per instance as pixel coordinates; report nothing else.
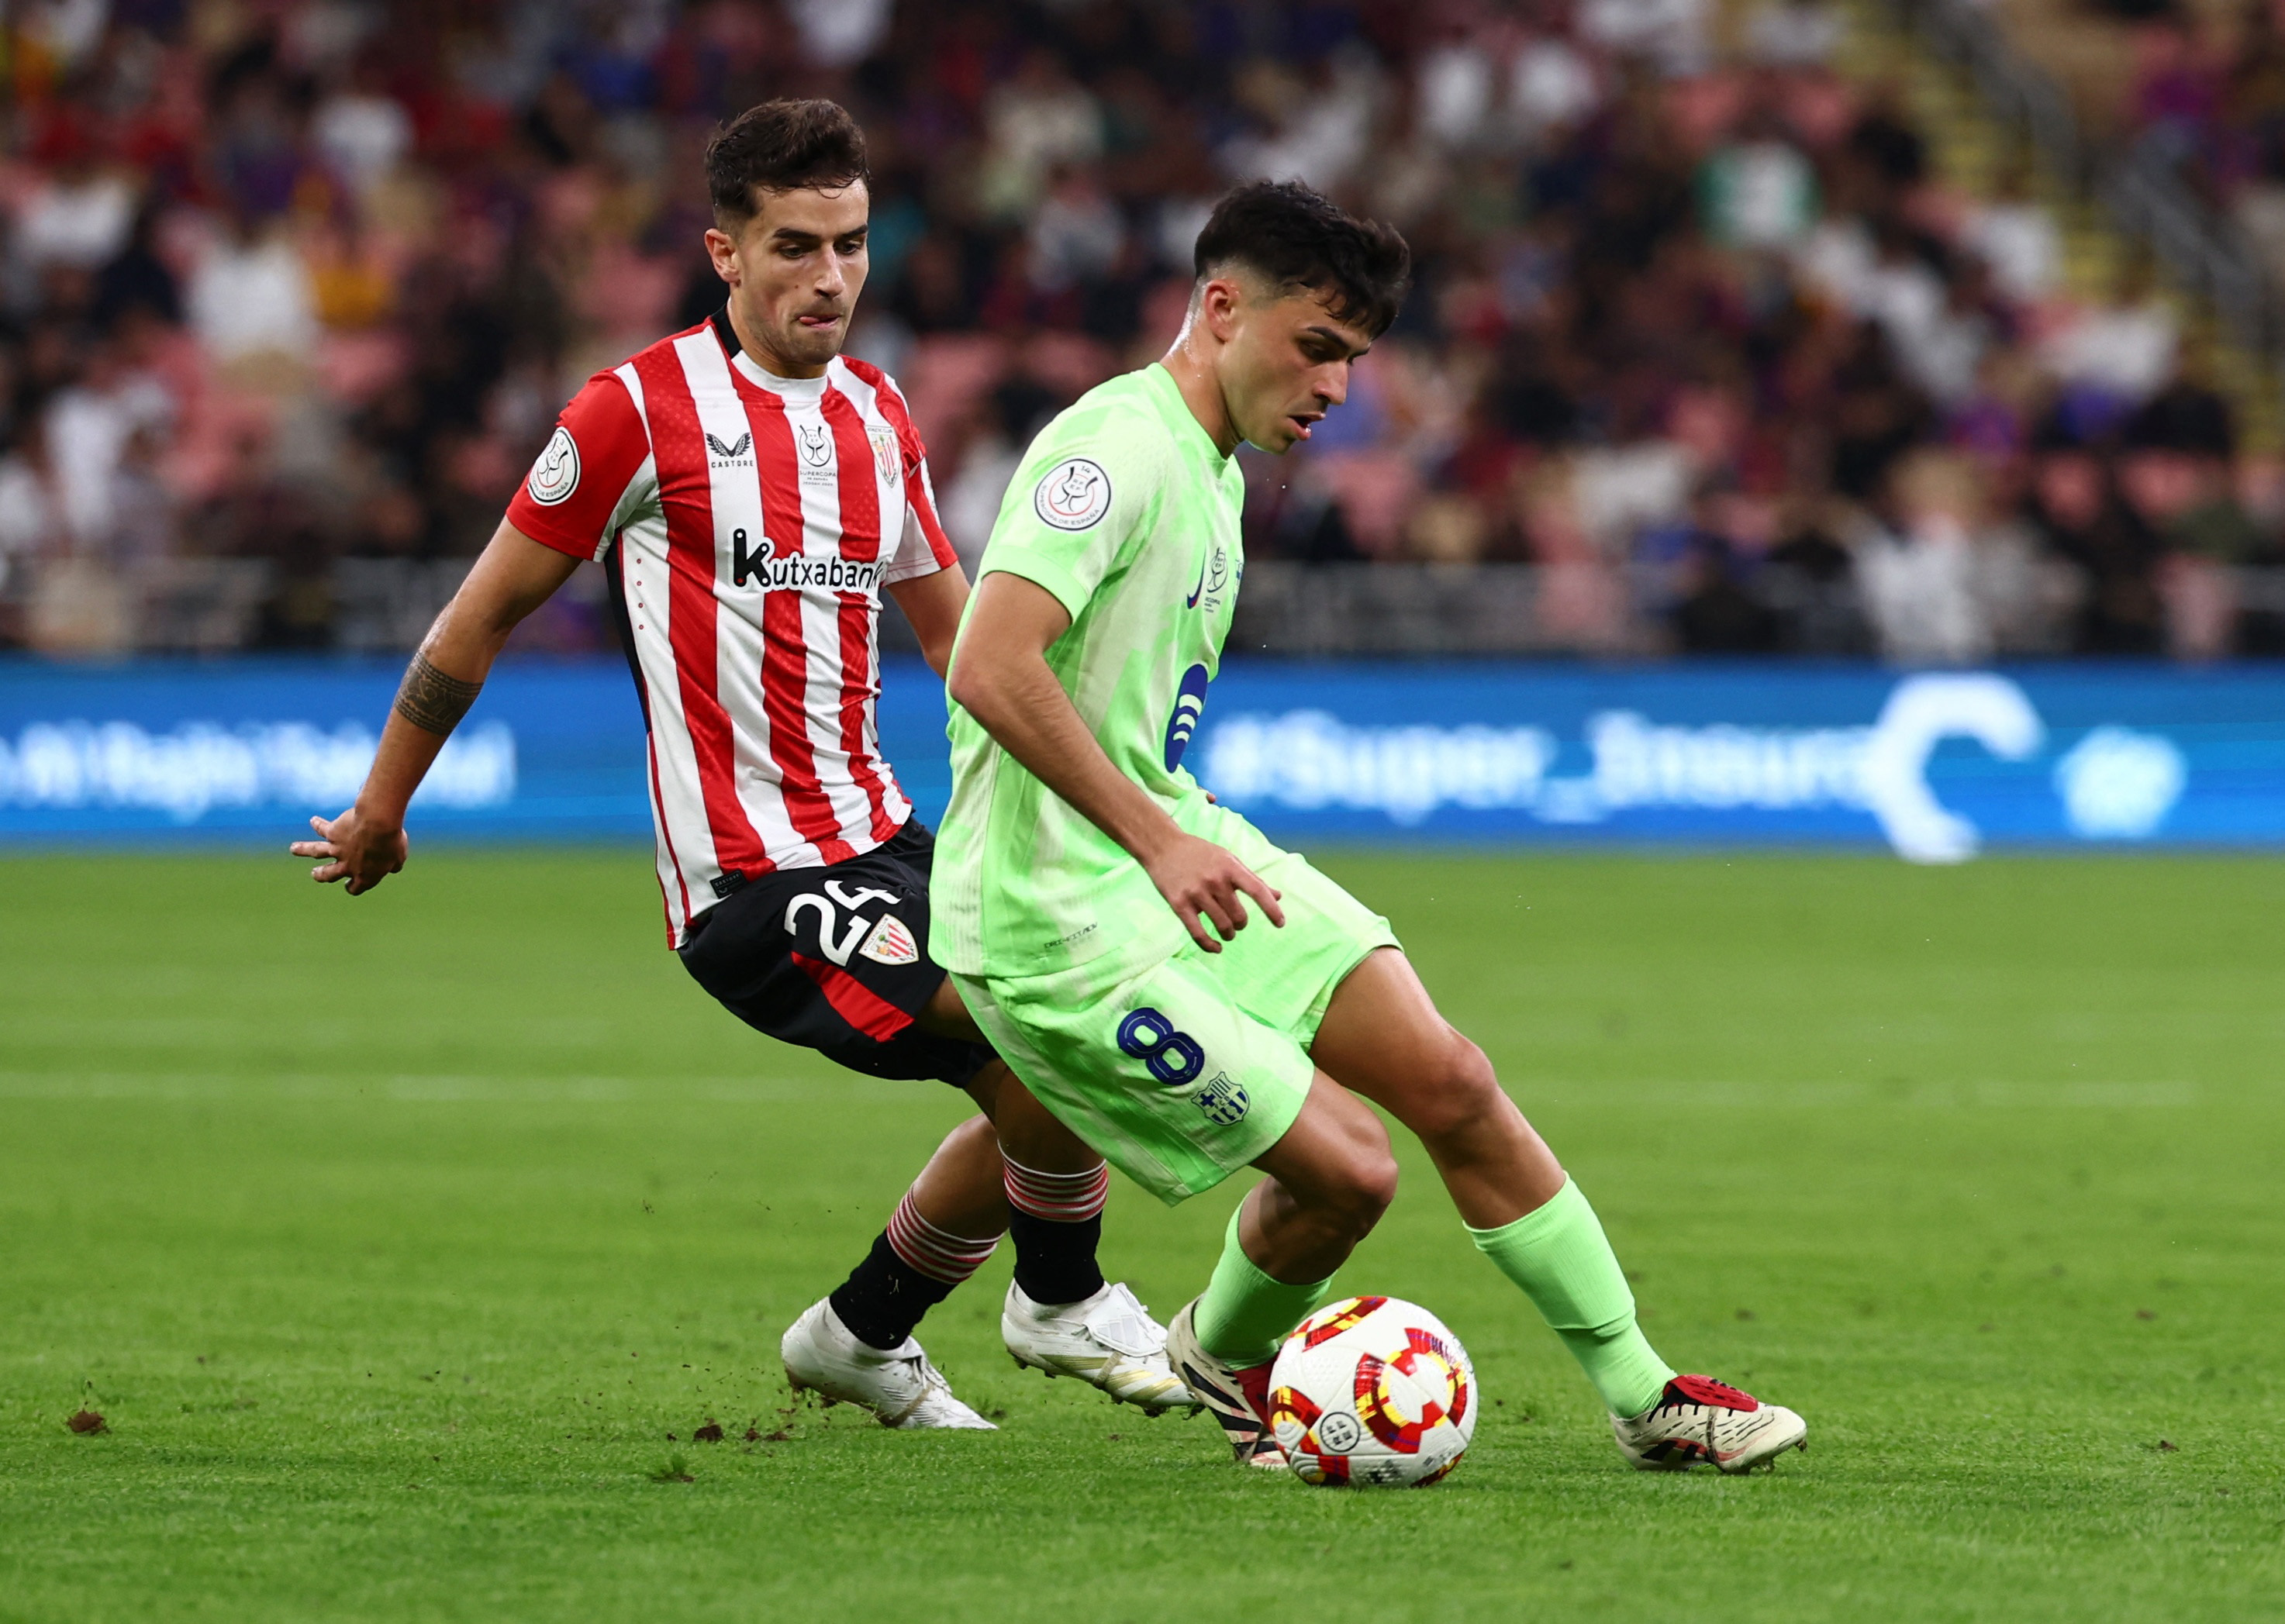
(556, 474)
(1074, 495)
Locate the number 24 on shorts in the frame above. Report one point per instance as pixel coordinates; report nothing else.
(1174, 1057)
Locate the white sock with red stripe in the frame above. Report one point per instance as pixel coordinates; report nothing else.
(1057, 1220)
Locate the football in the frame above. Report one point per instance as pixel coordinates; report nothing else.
(1372, 1391)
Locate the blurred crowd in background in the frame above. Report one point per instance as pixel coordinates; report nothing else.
(291, 291)
(2199, 85)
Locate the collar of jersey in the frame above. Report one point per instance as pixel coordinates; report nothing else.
(1178, 414)
(806, 391)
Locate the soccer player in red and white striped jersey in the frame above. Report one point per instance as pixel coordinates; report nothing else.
(750, 523)
(751, 493)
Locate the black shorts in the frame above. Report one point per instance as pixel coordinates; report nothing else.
(836, 959)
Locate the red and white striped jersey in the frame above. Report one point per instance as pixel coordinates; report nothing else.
(748, 523)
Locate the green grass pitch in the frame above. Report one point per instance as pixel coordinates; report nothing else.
(394, 1238)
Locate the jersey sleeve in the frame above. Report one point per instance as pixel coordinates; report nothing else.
(921, 548)
(1082, 491)
(596, 469)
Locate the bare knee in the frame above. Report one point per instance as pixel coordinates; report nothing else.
(1376, 1186)
(969, 1153)
(1458, 1093)
(1331, 1178)
(975, 1137)
(1366, 1186)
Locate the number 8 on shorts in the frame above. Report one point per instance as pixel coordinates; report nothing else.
(1174, 1057)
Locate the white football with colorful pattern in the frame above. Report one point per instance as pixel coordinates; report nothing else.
(1373, 1391)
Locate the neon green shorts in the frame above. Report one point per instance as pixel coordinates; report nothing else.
(1184, 1071)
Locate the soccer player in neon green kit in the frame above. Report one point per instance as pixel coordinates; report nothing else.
(1090, 899)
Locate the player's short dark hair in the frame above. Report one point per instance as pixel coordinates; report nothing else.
(1298, 237)
(784, 146)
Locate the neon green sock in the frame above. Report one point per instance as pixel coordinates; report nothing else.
(1244, 1314)
(1558, 1256)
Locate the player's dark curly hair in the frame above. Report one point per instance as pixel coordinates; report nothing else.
(1298, 237)
(783, 145)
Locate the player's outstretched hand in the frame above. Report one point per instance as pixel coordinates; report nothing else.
(1197, 876)
(362, 854)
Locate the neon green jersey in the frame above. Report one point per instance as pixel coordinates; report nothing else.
(1125, 510)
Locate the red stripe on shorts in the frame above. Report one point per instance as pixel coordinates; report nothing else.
(855, 1002)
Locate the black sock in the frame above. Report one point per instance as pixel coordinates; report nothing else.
(885, 1297)
(1055, 1262)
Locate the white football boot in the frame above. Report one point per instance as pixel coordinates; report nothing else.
(899, 1385)
(1109, 1341)
(1698, 1419)
(1239, 1399)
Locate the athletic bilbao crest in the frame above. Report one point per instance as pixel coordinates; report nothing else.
(884, 452)
(891, 943)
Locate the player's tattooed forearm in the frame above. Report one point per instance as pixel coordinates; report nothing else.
(428, 698)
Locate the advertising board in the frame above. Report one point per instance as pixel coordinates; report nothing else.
(1933, 766)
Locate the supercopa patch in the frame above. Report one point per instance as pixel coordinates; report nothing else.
(1074, 495)
(556, 474)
